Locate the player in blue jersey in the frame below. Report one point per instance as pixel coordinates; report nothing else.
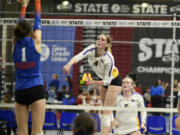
(29, 91)
(102, 62)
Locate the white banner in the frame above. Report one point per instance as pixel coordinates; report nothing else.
(99, 23)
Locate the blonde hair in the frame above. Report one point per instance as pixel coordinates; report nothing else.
(109, 42)
(132, 81)
(55, 76)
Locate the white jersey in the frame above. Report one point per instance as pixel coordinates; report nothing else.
(129, 119)
(103, 65)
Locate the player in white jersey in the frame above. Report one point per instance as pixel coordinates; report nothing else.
(102, 63)
(126, 121)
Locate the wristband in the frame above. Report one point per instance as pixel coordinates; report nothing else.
(37, 21)
(22, 14)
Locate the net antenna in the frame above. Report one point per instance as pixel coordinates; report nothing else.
(172, 72)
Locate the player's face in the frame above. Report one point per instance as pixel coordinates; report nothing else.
(101, 41)
(127, 84)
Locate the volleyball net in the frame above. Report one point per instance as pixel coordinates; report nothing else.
(148, 49)
(141, 47)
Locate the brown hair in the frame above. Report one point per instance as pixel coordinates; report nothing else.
(84, 124)
(22, 29)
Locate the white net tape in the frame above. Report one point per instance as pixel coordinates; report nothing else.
(75, 107)
(100, 23)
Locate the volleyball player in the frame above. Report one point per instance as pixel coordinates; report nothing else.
(126, 122)
(102, 62)
(29, 82)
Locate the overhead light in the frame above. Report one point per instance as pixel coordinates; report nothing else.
(65, 3)
(144, 5)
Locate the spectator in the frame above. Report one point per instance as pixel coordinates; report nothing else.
(80, 97)
(159, 82)
(87, 100)
(7, 99)
(84, 124)
(54, 82)
(63, 93)
(147, 98)
(70, 83)
(52, 94)
(157, 93)
(138, 88)
(95, 98)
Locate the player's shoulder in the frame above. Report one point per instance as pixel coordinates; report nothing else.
(119, 96)
(137, 95)
(92, 46)
(108, 54)
(89, 49)
(108, 57)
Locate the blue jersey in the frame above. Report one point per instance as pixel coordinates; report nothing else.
(27, 64)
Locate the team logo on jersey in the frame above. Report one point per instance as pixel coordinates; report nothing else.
(96, 63)
(126, 105)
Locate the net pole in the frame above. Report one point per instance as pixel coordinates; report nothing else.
(172, 73)
(4, 44)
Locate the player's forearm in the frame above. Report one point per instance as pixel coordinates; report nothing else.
(23, 12)
(37, 21)
(143, 117)
(97, 82)
(72, 62)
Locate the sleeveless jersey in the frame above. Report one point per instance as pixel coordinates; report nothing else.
(27, 64)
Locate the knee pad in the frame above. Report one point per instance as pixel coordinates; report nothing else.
(106, 120)
(112, 116)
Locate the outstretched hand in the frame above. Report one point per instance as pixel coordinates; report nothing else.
(143, 127)
(90, 81)
(66, 69)
(115, 123)
(24, 2)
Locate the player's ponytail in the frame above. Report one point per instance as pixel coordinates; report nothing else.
(109, 42)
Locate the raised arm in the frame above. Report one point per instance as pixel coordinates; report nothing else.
(37, 26)
(67, 67)
(24, 4)
(83, 54)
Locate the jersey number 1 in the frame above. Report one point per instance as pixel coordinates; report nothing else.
(23, 54)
